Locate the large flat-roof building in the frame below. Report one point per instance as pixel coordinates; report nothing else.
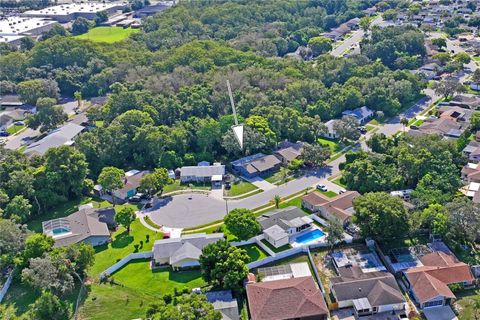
(13, 29)
(68, 12)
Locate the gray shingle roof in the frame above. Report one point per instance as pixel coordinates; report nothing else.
(56, 138)
(202, 171)
(281, 217)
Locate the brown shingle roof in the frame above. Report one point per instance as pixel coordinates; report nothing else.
(338, 206)
(285, 299)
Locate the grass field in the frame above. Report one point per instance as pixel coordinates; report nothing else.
(107, 34)
(254, 252)
(333, 145)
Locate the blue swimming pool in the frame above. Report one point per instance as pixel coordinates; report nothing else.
(310, 236)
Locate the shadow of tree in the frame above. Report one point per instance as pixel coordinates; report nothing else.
(122, 240)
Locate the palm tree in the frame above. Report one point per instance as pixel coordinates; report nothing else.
(404, 122)
(277, 201)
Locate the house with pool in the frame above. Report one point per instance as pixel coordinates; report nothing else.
(289, 226)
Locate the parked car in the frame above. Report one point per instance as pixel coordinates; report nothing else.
(134, 199)
(322, 187)
(19, 123)
(4, 134)
(414, 127)
(342, 191)
(362, 130)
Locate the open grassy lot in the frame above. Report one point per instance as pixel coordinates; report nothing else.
(107, 34)
(123, 244)
(240, 188)
(254, 252)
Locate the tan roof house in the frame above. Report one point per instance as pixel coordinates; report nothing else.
(339, 208)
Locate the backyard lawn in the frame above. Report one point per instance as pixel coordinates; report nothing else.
(254, 252)
(107, 34)
(465, 304)
(240, 188)
(123, 244)
(276, 250)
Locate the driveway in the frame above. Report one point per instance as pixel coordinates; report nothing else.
(261, 183)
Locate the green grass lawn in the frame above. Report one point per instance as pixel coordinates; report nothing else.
(176, 186)
(332, 144)
(254, 252)
(338, 182)
(328, 193)
(123, 244)
(14, 129)
(240, 188)
(466, 304)
(107, 34)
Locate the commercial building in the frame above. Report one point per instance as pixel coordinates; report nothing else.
(68, 12)
(13, 29)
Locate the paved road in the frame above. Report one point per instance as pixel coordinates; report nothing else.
(190, 210)
(354, 39)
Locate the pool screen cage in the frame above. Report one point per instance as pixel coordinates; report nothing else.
(60, 223)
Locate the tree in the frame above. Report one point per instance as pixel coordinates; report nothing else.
(320, 45)
(80, 26)
(334, 233)
(47, 118)
(476, 76)
(315, 154)
(45, 273)
(188, 306)
(242, 224)
(125, 217)
(440, 42)
(429, 214)
(18, 209)
(475, 121)
(448, 87)
(464, 220)
(390, 15)
(80, 256)
(155, 182)
(101, 17)
(111, 179)
(365, 23)
(57, 30)
(12, 241)
(27, 43)
(463, 58)
(8, 312)
(381, 216)
(78, 97)
(223, 265)
(36, 245)
(404, 122)
(30, 90)
(347, 128)
(49, 307)
(277, 201)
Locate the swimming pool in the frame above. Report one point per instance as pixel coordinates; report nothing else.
(310, 236)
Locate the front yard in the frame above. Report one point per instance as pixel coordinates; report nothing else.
(332, 144)
(240, 188)
(176, 186)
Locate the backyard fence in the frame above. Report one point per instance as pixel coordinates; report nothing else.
(127, 259)
(276, 257)
(6, 285)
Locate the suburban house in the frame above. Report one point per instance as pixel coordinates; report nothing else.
(288, 151)
(443, 126)
(7, 118)
(339, 208)
(130, 184)
(64, 135)
(472, 151)
(471, 172)
(367, 292)
(182, 252)
(256, 165)
(225, 303)
(203, 173)
(278, 225)
(455, 112)
(330, 133)
(429, 284)
(86, 225)
(295, 298)
(362, 114)
(465, 101)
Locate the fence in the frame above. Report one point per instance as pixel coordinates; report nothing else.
(127, 259)
(276, 257)
(6, 285)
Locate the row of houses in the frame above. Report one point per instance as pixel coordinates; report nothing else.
(342, 30)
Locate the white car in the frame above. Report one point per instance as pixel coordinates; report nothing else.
(322, 187)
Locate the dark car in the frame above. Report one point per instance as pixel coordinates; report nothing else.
(4, 134)
(362, 130)
(135, 199)
(413, 127)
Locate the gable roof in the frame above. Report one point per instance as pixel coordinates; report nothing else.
(132, 180)
(55, 138)
(285, 299)
(380, 288)
(202, 171)
(188, 246)
(283, 218)
(224, 302)
(341, 206)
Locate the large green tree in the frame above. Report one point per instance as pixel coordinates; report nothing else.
(242, 223)
(49, 307)
(125, 217)
(155, 182)
(223, 265)
(188, 306)
(111, 179)
(381, 216)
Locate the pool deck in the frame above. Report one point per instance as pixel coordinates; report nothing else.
(321, 239)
